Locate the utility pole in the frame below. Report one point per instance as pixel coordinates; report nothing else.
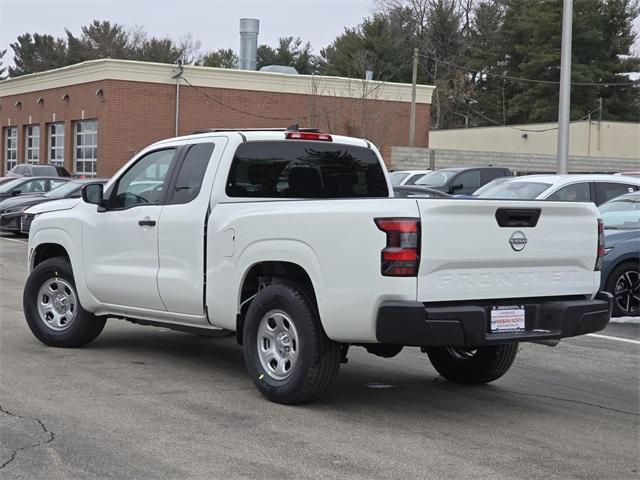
(565, 88)
(599, 120)
(177, 76)
(414, 79)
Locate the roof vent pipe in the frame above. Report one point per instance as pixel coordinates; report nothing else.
(249, 29)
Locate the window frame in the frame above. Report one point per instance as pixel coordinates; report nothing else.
(589, 185)
(94, 146)
(58, 147)
(180, 161)
(111, 193)
(34, 148)
(14, 149)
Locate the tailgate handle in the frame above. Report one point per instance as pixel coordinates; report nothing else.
(518, 217)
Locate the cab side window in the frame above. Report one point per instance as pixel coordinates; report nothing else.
(34, 186)
(143, 183)
(191, 174)
(577, 192)
(605, 191)
(467, 182)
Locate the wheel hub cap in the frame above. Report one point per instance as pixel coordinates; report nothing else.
(277, 344)
(57, 304)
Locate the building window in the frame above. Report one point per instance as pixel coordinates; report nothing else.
(86, 147)
(32, 144)
(10, 148)
(56, 144)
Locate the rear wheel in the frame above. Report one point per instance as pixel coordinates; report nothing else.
(52, 307)
(473, 366)
(289, 357)
(624, 284)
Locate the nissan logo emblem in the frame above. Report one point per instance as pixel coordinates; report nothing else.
(518, 240)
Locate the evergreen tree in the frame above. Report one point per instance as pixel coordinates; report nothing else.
(223, 58)
(290, 52)
(37, 53)
(2, 69)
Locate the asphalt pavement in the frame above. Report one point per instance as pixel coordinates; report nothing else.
(149, 403)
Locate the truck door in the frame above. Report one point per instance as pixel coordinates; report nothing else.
(181, 228)
(120, 244)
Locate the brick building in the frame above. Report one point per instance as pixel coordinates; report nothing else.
(94, 116)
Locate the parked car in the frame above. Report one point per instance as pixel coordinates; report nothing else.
(29, 186)
(6, 179)
(12, 209)
(290, 239)
(406, 177)
(462, 180)
(629, 174)
(621, 269)
(594, 188)
(30, 170)
(413, 191)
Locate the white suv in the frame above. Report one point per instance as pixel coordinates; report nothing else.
(594, 188)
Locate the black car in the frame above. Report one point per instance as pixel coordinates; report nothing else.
(411, 191)
(29, 170)
(29, 186)
(462, 180)
(11, 210)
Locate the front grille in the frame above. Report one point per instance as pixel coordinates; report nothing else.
(25, 222)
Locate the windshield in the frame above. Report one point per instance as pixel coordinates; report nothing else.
(517, 190)
(7, 187)
(621, 214)
(397, 177)
(438, 178)
(63, 191)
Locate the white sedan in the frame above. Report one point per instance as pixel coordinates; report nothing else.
(406, 177)
(596, 188)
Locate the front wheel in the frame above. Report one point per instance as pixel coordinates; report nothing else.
(473, 366)
(52, 307)
(289, 357)
(624, 284)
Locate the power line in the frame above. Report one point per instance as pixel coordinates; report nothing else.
(530, 80)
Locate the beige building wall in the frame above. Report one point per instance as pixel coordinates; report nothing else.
(587, 139)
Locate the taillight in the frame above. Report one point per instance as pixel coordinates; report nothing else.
(401, 256)
(322, 137)
(601, 249)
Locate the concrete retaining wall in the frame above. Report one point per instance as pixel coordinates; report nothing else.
(406, 158)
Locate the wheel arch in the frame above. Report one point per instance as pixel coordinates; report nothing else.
(263, 273)
(54, 242)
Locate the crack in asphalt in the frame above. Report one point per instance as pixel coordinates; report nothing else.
(51, 436)
(569, 400)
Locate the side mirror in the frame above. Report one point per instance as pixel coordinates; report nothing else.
(15, 193)
(92, 193)
(454, 188)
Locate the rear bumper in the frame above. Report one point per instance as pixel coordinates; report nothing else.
(467, 323)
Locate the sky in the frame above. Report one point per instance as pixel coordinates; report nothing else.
(213, 22)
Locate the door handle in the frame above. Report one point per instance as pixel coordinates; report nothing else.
(147, 223)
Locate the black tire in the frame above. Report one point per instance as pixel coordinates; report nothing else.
(318, 357)
(632, 270)
(85, 326)
(473, 366)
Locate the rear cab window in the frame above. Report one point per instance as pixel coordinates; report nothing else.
(305, 169)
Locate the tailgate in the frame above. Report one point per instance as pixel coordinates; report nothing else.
(467, 255)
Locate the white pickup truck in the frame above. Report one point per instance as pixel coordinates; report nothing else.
(290, 239)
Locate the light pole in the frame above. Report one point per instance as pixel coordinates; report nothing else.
(565, 88)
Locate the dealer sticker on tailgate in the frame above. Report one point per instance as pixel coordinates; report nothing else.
(507, 318)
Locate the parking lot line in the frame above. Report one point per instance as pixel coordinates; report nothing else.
(607, 337)
(14, 240)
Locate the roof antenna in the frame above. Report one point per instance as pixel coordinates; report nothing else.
(293, 128)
